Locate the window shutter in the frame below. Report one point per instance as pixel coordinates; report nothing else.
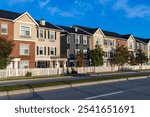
(45, 50)
(45, 34)
(37, 33)
(48, 34)
(37, 50)
(48, 51)
(55, 35)
(55, 51)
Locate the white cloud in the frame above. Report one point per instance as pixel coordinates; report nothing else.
(67, 14)
(132, 11)
(43, 3)
(53, 10)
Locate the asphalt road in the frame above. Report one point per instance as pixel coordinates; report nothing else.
(123, 90)
(7, 83)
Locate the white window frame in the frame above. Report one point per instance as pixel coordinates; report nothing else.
(85, 40)
(43, 33)
(85, 52)
(76, 51)
(130, 45)
(24, 47)
(21, 30)
(77, 39)
(52, 33)
(106, 41)
(68, 53)
(68, 40)
(41, 48)
(24, 64)
(98, 41)
(3, 24)
(50, 48)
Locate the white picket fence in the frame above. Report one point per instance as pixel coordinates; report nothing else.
(58, 71)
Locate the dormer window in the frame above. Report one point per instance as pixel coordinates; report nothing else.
(130, 45)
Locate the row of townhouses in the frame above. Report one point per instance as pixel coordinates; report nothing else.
(40, 44)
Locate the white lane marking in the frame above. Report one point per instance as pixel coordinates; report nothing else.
(104, 95)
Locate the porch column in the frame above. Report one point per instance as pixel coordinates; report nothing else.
(16, 63)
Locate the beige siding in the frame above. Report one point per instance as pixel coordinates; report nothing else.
(25, 21)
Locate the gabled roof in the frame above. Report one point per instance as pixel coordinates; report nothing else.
(87, 29)
(112, 34)
(72, 30)
(126, 36)
(48, 25)
(9, 15)
(138, 39)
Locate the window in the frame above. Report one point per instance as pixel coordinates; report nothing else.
(52, 51)
(24, 64)
(112, 43)
(41, 50)
(130, 45)
(85, 53)
(25, 31)
(77, 39)
(118, 43)
(106, 42)
(41, 33)
(111, 54)
(76, 51)
(98, 41)
(4, 29)
(84, 40)
(68, 53)
(24, 49)
(106, 54)
(52, 35)
(68, 40)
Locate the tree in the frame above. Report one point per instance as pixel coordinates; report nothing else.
(97, 56)
(5, 50)
(121, 56)
(141, 57)
(80, 59)
(132, 60)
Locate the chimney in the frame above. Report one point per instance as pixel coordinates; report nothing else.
(76, 29)
(42, 22)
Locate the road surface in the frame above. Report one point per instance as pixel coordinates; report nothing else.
(122, 90)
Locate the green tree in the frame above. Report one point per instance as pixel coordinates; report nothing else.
(121, 56)
(132, 60)
(141, 57)
(80, 59)
(97, 56)
(5, 50)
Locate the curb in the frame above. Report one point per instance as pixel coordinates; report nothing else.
(24, 91)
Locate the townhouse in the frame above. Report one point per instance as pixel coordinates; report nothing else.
(19, 27)
(36, 43)
(48, 46)
(40, 44)
(74, 40)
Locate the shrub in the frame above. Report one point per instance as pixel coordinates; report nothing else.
(28, 74)
(74, 71)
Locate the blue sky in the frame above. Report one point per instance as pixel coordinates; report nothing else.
(122, 16)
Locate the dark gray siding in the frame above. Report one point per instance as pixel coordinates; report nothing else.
(63, 46)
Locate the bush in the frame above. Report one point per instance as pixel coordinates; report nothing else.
(74, 71)
(28, 74)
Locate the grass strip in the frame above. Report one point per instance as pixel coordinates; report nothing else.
(57, 83)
